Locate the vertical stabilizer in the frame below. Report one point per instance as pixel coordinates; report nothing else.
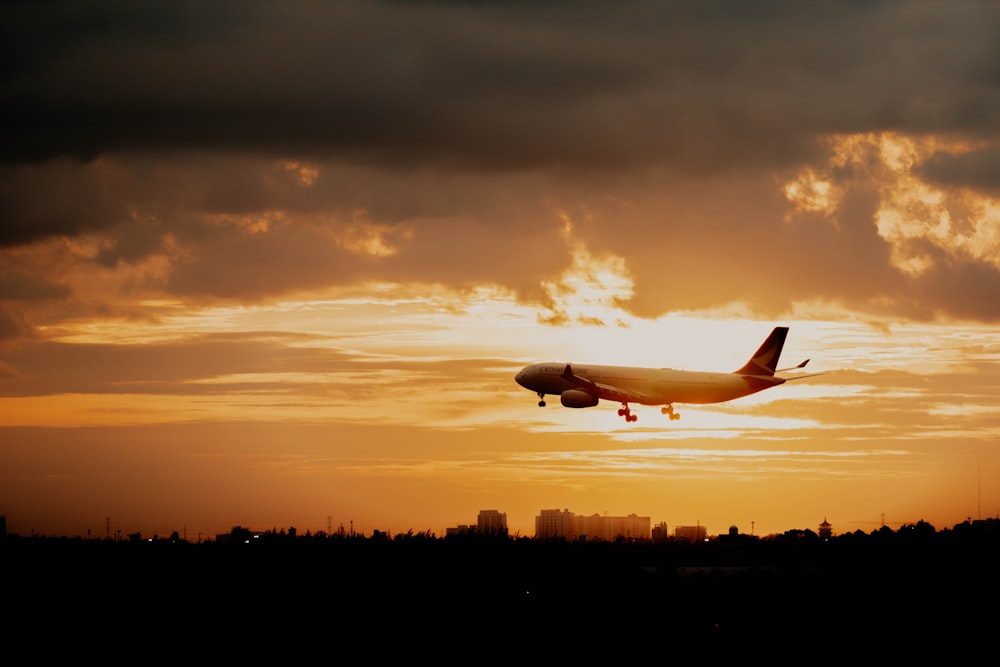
(765, 359)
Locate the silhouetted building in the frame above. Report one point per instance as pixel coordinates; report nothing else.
(691, 533)
(553, 524)
(825, 530)
(556, 524)
(660, 533)
(489, 522)
(734, 536)
(492, 522)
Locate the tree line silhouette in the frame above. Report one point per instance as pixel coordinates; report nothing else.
(732, 592)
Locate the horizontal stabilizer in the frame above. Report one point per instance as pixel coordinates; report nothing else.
(802, 365)
(802, 377)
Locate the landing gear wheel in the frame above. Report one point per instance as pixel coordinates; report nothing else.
(541, 400)
(669, 410)
(541, 404)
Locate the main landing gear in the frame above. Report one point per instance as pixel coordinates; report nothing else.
(669, 410)
(623, 411)
(541, 400)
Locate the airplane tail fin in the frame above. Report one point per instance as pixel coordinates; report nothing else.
(765, 359)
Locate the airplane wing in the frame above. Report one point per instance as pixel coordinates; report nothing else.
(606, 391)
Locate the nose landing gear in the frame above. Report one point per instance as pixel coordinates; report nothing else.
(541, 400)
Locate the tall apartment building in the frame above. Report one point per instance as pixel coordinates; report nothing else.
(491, 522)
(554, 524)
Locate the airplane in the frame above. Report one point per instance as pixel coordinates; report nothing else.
(585, 386)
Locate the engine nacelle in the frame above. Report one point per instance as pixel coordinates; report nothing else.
(577, 398)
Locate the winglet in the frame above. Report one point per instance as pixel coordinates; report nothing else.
(792, 368)
(765, 359)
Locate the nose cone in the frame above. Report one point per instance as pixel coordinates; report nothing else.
(519, 378)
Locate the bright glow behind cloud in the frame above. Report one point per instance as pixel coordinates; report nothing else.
(958, 222)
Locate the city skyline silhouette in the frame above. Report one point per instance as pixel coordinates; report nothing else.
(887, 593)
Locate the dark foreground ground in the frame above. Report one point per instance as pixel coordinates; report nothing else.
(499, 600)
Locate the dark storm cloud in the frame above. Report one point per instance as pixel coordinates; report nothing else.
(237, 227)
(959, 289)
(26, 287)
(227, 264)
(39, 201)
(491, 85)
(978, 170)
(733, 236)
(460, 133)
(12, 327)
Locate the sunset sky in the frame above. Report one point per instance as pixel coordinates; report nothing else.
(275, 264)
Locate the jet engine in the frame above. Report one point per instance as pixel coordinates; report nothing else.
(577, 398)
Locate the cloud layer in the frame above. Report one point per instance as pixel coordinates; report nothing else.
(255, 151)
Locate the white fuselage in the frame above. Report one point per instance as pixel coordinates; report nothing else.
(656, 386)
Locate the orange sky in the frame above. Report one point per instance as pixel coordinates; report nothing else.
(279, 269)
